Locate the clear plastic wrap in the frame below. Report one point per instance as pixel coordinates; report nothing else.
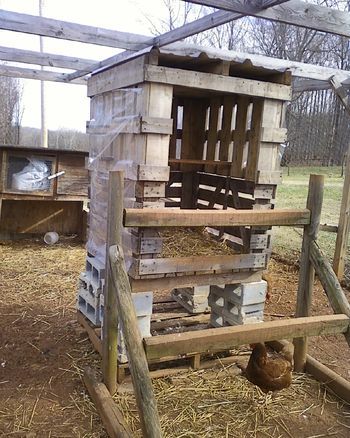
(115, 117)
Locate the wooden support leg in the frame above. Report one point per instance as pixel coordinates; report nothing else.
(196, 361)
(307, 273)
(110, 326)
(138, 365)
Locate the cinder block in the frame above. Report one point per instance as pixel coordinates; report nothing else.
(85, 282)
(144, 324)
(193, 299)
(95, 271)
(234, 314)
(216, 320)
(247, 293)
(88, 305)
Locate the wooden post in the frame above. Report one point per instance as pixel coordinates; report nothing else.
(138, 365)
(114, 236)
(341, 243)
(307, 273)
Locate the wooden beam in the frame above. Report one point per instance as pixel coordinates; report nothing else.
(45, 59)
(306, 272)
(95, 340)
(341, 92)
(41, 75)
(145, 399)
(110, 323)
(49, 27)
(173, 217)
(295, 12)
(333, 381)
(111, 417)
(212, 82)
(200, 25)
(145, 285)
(227, 338)
(330, 283)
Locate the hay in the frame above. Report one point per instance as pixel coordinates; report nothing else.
(187, 242)
(216, 403)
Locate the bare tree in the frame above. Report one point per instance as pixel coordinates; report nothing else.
(10, 110)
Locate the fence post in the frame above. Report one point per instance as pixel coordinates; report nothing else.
(110, 318)
(307, 272)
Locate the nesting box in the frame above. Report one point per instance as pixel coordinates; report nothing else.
(191, 130)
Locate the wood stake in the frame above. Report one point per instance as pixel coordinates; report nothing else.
(146, 402)
(110, 326)
(307, 273)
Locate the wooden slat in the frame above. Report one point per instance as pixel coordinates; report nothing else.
(227, 338)
(226, 127)
(171, 217)
(254, 140)
(239, 138)
(213, 128)
(178, 281)
(212, 82)
(45, 59)
(70, 31)
(295, 12)
(198, 264)
(41, 75)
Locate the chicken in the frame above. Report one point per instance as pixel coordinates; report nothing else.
(269, 373)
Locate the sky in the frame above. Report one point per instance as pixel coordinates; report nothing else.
(67, 106)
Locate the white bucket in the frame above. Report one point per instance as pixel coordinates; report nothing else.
(51, 238)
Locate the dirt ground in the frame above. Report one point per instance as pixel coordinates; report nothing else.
(42, 353)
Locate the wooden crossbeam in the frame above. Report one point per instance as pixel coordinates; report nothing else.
(49, 27)
(45, 59)
(200, 25)
(42, 75)
(227, 338)
(295, 12)
(172, 217)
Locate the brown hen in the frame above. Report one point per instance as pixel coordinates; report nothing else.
(269, 373)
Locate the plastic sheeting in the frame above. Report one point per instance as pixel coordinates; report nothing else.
(115, 117)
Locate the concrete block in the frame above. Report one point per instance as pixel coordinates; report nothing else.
(234, 314)
(216, 320)
(85, 282)
(194, 303)
(88, 305)
(144, 324)
(95, 271)
(245, 294)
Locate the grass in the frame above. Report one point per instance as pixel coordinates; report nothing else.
(293, 193)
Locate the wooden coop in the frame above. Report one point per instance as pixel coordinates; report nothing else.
(191, 133)
(42, 190)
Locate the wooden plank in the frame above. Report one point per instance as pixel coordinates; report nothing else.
(198, 264)
(239, 138)
(41, 75)
(213, 128)
(71, 31)
(330, 283)
(307, 273)
(295, 12)
(110, 325)
(171, 217)
(273, 135)
(183, 321)
(227, 338)
(212, 82)
(254, 140)
(145, 399)
(44, 59)
(130, 73)
(111, 417)
(226, 128)
(168, 283)
(75, 180)
(147, 172)
(193, 130)
(95, 340)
